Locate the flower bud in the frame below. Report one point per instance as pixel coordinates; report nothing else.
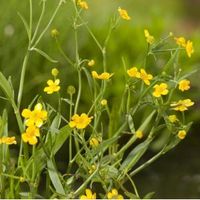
(54, 71)
(71, 90)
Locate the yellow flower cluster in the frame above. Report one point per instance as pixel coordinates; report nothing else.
(188, 45)
(88, 195)
(123, 14)
(103, 76)
(182, 105)
(33, 120)
(149, 38)
(133, 72)
(8, 140)
(82, 4)
(80, 122)
(113, 194)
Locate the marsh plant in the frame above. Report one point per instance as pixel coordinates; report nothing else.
(103, 143)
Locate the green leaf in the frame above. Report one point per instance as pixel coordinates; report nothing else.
(131, 195)
(55, 179)
(171, 61)
(5, 86)
(90, 81)
(147, 121)
(135, 155)
(149, 195)
(44, 54)
(61, 138)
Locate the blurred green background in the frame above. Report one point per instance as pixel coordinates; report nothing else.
(177, 174)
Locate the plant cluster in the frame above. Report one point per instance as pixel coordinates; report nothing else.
(98, 164)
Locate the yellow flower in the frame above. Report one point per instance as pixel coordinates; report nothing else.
(182, 134)
(35, 117)
(8, 140)
(123, 14)
(54, 72)
(53, 86)
(180, 41)
(160, 90)
(173, 118)
(103, 76)
(83, 4)
(80, 122)
(133, 72)
(94, 142)
(88, 195)
(104, 102)
(182, 105)
(149, 38)
(184, 85)
(114, 195)
(189, 48)
(31, 135)
(145, 77)
(91, 63)
(139, 134)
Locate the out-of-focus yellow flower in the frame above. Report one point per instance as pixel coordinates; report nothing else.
(8, 140)
(173, 118)
(123, 14)
(160, 90)
(104, 102)
(35, 117)
(53, 86)
(91, 63)
(189, 48)
(83, 4)
(88, 195)
(31, 135)
(92, 169)
(184, 85)
(80, 122)
(182, 105)
(94, 142)
(54, 33)
(188, 45)
(181, 41)
(145, 77)
(113, 194)
(103, 76)
(149, 38)
(133, 72)
(182, 134)
(139, 134)
(54, 72)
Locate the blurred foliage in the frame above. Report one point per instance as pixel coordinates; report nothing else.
(127, 41)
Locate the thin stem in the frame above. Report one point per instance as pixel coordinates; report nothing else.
(63, 53)
(48, 25)
(39, 21)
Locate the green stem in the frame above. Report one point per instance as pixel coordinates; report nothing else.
(48, 25)
(39, 21)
